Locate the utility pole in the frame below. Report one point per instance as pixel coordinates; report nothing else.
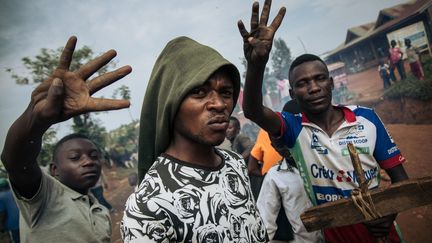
(304, 47)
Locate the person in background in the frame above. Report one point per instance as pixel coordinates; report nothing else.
(240, 143)
(413, 58)
(133, 180)
(284, 200)
(9, 214)
(98, 191)
(59, 207)
(396, 60)
(384, 73)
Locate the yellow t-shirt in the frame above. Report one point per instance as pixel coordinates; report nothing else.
(264, 152)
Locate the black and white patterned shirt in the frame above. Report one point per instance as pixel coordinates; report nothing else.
(180, 202)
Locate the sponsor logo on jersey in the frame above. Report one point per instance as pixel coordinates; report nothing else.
(322, 172)
(329, 194)
(360, 150)
(315, 144)
(354, 141)
(392, 150)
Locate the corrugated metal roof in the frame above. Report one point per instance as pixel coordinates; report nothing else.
(398, 13)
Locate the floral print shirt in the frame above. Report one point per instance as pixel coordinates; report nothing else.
(180, 202)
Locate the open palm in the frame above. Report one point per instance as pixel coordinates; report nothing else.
(258, 42)
(65, 93)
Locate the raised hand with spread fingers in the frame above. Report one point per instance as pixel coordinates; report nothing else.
(61, 96)
(257, 46)
(258, 42)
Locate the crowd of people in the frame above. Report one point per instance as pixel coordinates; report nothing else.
(195, 168)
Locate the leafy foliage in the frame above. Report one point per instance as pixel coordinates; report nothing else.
(87, 125)
(123, 91)
(123, 142)
(281, 59)
(44, 63)
(48, 141)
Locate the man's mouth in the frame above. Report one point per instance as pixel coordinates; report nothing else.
(91, 173)
(219, 123)
(317, 100)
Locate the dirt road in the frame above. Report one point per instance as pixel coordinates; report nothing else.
(415, 143)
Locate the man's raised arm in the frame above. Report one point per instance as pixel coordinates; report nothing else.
(257, 45)
(63, 95)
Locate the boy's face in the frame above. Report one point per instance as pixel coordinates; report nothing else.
(232, 130)
(78, 164)
(203, 114)
(312, 87)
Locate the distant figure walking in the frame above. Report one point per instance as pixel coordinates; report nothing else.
(413, 58)
(384, 72)
(396, 60)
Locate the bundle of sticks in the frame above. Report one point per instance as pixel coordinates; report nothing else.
(381, 202)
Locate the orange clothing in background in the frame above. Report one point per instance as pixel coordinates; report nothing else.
(264, 152)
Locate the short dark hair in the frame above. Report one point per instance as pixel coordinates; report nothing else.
(305, 58)
(236, 121)
(65, 139)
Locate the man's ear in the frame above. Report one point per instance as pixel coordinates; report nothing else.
(53, 169)
(332, 82)
(291, 92)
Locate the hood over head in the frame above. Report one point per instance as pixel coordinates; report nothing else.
(183, 65)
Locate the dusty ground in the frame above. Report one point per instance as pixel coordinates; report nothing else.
(414, 141)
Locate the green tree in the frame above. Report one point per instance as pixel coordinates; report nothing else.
(44, 63)
(123, 91)
(48, 143)
(281, 59)
(123, 142)
(89, 126)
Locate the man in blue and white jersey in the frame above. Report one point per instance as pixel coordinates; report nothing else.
(317, 137)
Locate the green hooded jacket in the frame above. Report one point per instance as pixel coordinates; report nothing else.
(183, 65)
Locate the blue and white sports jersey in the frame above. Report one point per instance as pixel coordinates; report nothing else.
(324, 161)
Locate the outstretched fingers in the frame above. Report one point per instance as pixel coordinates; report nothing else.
(108, 78)
(254, 17)
(265, 13)
(243, 32)
(66, 55)
(94, 65)
(102, 104)
(278, 19)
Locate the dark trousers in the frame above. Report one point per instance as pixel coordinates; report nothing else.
(401, 69)
(386, 80)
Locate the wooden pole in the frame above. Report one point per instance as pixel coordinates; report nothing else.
(397, 198)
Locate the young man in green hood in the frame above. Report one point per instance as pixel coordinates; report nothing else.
(191, 191)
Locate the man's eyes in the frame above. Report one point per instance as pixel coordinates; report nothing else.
(321, 78)
(227, 93)
(74, 157)
(198, 91)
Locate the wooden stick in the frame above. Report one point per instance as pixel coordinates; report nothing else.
(357, 168)
(397, 198)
